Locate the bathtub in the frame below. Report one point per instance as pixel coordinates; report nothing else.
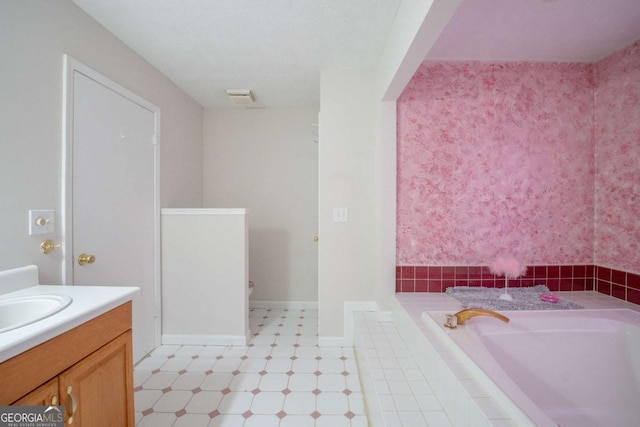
(560, 368)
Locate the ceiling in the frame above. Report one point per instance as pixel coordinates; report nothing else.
(277, 48)
(538, 30)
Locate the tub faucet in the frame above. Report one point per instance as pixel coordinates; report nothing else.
(453, 320)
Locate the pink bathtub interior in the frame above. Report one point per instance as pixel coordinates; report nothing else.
(569, 368)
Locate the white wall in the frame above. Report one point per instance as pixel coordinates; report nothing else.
(358, 165)
(34, 35)
(266, 160)
(348, 255)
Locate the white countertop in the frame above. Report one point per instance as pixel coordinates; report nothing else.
(88, 303)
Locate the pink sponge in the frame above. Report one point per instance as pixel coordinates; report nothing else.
(549, 298)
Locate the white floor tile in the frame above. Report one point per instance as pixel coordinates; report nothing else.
(437, 419)
(303, 382)
(192, 420)
(244, 387)
(405, 402)
(227, 420)
(188, 350)
(235, 402)
(226, 365)
(412, 418)
(140, 376)
(262, 421)
(245, 382)
(172, 401)
(151, 363)
(157, 419)
(428, 403)
(274, 382)
(160, 380)
(217, 381)
(283, 351)
(399, 387)
(359, 421)
(176, 364)
(332, 382)
(201, 364)
(188, 381)
(391, 419)
(278, 365)
(214, 350)
(145, 399)
(356, 403)
(304, 366)
(252, 365)
(297, 421)
(287, 340)
(270, 402)
(259, 351)
(331, 352)
(204, 402)
(333, 421)
(307, 351)
(330, 366)
(301, 403)
(165, 350)
(332, 403)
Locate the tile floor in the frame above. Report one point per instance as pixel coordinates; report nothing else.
(281, 379)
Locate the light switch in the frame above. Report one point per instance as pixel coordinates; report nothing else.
(340, 214)
(41, 221)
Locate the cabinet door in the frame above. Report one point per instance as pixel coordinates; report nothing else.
(98, 390)
(45, 395)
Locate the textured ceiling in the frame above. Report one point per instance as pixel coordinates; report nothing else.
(276, 48)
(538, 30)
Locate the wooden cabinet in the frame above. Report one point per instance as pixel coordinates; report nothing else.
(88, 369)
(46, 394)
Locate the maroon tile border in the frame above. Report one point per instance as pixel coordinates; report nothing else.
(437, 278)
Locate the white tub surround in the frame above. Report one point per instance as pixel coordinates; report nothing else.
(205, 276)
(87, 303)
(466, 395)
(407, 383)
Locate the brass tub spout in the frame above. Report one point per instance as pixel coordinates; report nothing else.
(453, 320)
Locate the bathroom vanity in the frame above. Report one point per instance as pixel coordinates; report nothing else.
(88, 369)
(80, 357)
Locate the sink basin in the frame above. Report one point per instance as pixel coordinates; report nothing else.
(21, 311)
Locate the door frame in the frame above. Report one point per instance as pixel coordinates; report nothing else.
(71, 66)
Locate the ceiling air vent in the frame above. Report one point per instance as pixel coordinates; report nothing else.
(241, 97)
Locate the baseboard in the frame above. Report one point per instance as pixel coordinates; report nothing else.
(349, 308)
(204, 339)
(291, 305)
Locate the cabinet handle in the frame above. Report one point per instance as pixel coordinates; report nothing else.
(74, 406)
(54, 401)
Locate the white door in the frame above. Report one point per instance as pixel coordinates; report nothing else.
(113, 206)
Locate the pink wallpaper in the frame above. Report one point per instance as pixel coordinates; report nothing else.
(496, 158)
(617, 150)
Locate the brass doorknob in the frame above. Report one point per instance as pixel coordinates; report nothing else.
(86, 259)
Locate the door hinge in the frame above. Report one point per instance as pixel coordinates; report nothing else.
(155, 139)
